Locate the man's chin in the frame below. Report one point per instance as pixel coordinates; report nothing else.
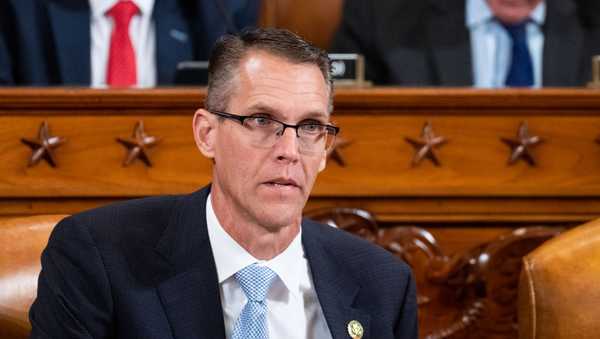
(279, 216)
(283, 193)
(280, 209)
(512, 17)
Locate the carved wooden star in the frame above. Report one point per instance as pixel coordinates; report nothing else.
(335, 154)
(137, 148)
(43, 147)
(424, 147)
(520, 147)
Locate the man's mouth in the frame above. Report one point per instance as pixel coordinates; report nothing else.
(283, 182)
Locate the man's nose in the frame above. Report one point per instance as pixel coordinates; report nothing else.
(287, 145)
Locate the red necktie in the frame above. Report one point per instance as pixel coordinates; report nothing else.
(121, 69)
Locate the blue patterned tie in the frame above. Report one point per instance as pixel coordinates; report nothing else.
(255, 281)
(520, 73)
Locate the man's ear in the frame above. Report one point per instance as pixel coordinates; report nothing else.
(205, 132)
(323, 161)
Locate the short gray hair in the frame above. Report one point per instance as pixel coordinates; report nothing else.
(229, 50)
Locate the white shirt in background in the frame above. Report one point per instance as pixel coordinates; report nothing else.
(491, 46)
(141, 33)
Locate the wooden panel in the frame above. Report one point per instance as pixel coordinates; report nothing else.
(90, 163)
(474, 161)
(474, 183)
(461, 210)
(439, 211)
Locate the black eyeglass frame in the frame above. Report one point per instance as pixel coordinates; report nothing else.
(333, 130)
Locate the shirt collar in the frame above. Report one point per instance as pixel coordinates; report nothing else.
(538, 15)
(100, 7)
(478, 13)
(230, 257)
(288, 265)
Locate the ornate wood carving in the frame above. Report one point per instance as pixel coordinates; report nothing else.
(424, 147)
(43, 147)
(138, 146)
(357, 221)
(466, 295)
(521, 146)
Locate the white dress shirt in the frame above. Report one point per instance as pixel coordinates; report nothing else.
(491, 46)
(141, 33)
(294, 311)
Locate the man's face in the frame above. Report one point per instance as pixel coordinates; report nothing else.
(512, 11)
(269, 186)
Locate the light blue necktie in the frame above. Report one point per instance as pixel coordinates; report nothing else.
(255, 281)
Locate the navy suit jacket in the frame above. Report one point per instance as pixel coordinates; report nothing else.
(145, 269)
(47, 42)
(427, 43)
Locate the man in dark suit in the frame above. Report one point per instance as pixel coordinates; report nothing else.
(49, 42)
(463, 42)
(234, 259)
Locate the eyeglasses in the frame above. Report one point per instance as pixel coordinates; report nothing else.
(313, 136)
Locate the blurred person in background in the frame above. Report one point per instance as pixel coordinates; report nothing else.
(481, 43)
(111, 42)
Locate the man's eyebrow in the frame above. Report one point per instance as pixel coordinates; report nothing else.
(317, 115)
(262, 108)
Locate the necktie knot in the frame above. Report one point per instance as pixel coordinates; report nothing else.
(255, 281)
(122, 12)
(517, 32)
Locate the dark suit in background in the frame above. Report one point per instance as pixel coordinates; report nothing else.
(47, 42)
(145, 269)
(427, 43)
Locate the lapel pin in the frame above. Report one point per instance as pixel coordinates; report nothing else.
(355, 329)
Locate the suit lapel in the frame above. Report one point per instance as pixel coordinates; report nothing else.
(173, 39)
(70, 25)
(191, 296)
(336, 288)
(450, 43)
(193, 306)
(563, 45)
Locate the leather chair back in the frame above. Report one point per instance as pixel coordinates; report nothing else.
(314, 20)
(22, 240)
(559, 288)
